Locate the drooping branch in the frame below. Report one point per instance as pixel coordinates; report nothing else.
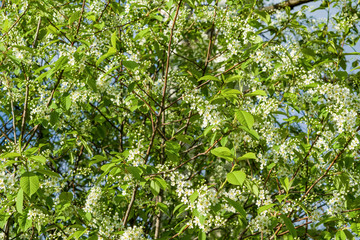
(289, 3)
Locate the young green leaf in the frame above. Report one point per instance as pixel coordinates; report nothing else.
(249, 155)
(237, 206)
(245, 119)
(20, 201)
(223, 152)
(266, 207)
(208, 77)
(155, 187)
(236, 177)
(29, 183)
(289, 225)
(256, 93)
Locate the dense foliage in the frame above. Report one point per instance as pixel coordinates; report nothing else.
(179, 119)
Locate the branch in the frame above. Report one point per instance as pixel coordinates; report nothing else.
(287, 231)
(14, 24)
(47, 105)
(330, 166)
(106, 118)
(103, 11)
(204, 83)
(37, 33)
(130, 205)
(289, 3)
(210, 41)
(79, 23)
(24, 112)
(183, 163)
(321, 177)
(168, 60)
(14, 119)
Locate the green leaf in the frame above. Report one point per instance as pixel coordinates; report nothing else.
(66, 197)
(20, 201)
(309, 52)
(59, 64)
(355, 227)
(348, 234)
(163, 208)
(10, 155)
(237, 206)
(253, 134)
(223, 152)
(193, 196)
(86, 145)
(185, 138)
(39, 159)
(202, 235)
(233, 79)
(155, 187)
(77, 234)
(249, 155)
(280, 198)
(286, 183)
(92, 83)
(230, 92)
(130, 64)
(291, 119)
(74, 17)
(66, 102)
(252, 187)
(135, 171)
(236, 177)
(208, 129)
(245, 119)
(97, 159)
(113, 39)
(266, 207)
(342, 75)
(110, 52)
(177, 207)
(29, 183)
(256, 93)
(107, 167)
(263, 15)
(47, 172)
(329, 219)
(208, 77)
(54, 117)
(162, 182)
(289, 225)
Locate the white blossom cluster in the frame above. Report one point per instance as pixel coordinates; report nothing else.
(336, 203)
(92, 199)
(132, 233)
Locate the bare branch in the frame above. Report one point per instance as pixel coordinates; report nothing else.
(168, 60)
(14, 24)
(289, 3)
(37, 33)
(130, 206)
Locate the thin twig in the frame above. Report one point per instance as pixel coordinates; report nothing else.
(288, 3)
(14, 24)
(208, 54)
(24, 112)
(168, 60)
(14, 120)
(106, 118)
(130, 206)
(47, 105)
(36, 33)
(79, 22)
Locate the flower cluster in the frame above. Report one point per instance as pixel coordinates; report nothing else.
(93, 199)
